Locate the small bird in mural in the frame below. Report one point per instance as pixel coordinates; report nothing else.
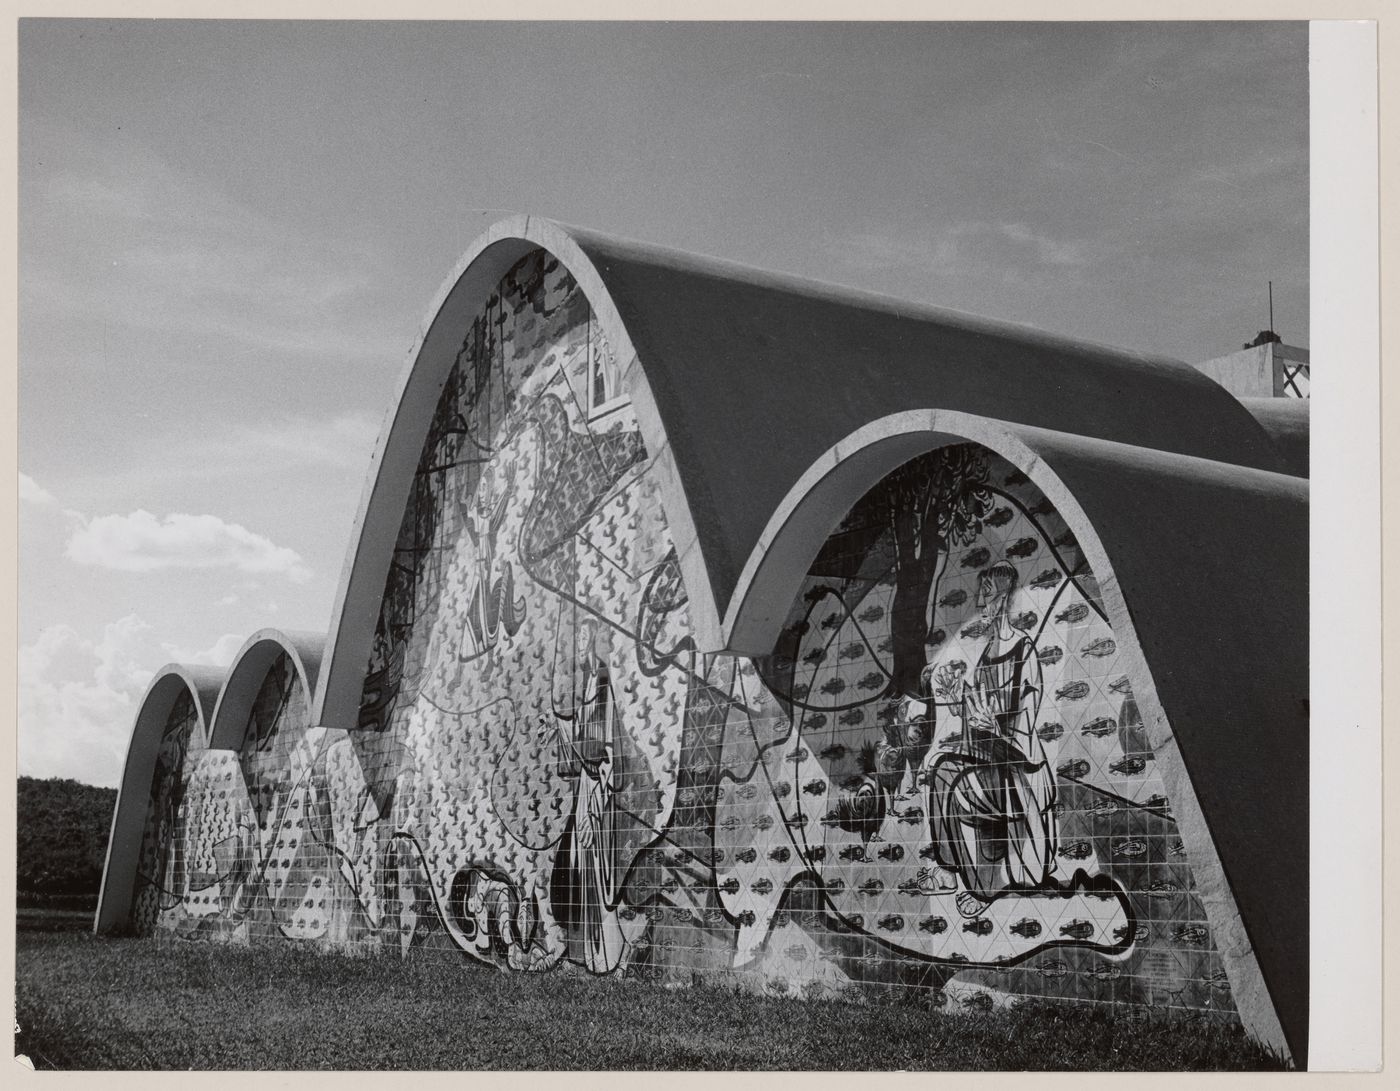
(862, 811)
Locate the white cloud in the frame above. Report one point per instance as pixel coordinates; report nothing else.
(78, 700)
(78, 697)
(227, 600)
(220, 654)
(140, 542)
(31, 492)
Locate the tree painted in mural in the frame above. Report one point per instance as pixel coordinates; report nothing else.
(938, 779)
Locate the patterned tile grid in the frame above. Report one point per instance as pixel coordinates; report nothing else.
(545, 773)
(159, 858)
(1106, 910)
(266, 853)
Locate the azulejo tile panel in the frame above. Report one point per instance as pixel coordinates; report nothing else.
(938, 780)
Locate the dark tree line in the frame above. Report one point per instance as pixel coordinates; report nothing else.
(61, 838)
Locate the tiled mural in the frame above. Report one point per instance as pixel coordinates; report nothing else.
(938, 780)
(159, 859)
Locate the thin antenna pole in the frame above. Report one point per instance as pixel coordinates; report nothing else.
(1271, 306)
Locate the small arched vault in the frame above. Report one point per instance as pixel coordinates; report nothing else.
(248, 673)
(172, 718)
(768, 410)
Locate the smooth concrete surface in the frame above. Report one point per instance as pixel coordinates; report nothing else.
(1285, 421)
(1248, 373)
(1256, 372)
(133, 796)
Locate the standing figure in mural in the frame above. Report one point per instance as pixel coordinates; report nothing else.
(586, 884)
(992, 806)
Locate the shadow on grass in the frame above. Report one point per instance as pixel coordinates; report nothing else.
(91, 1003)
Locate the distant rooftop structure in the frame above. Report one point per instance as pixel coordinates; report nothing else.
(1265, 368)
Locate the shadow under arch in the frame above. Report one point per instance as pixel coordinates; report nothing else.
(1203, 570)
(246, 675)
(202, 685)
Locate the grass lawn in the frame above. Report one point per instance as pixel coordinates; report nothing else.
(89, 1003)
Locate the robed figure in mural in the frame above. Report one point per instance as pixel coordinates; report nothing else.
(586, 883)
(993, 798)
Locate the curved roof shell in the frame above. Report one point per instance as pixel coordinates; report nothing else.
(202, 684)
(247, 672)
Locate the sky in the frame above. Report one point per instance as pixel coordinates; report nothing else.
(230, 234)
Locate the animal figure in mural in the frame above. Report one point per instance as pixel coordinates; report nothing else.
(939, 776)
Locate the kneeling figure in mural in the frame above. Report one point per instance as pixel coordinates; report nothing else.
(992, 805)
